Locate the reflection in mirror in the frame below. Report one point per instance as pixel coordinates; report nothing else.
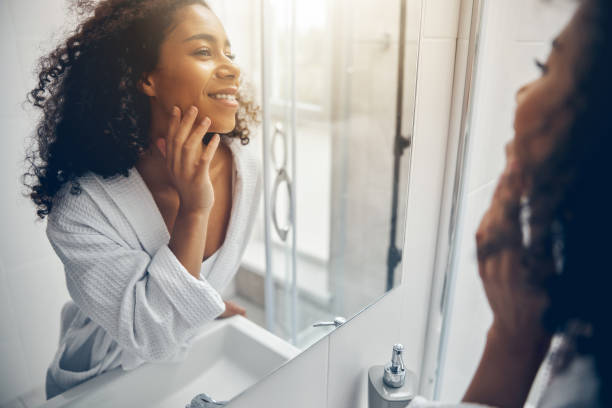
(299, 229)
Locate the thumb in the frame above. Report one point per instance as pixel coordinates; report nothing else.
(210, 149)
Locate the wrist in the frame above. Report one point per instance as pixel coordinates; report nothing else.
(527, 342)
(194, 214)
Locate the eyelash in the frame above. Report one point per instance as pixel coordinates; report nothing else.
(543, 67)
(207, 51)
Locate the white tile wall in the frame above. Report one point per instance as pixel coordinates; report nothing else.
(441, 18)
(32, 287)
(11, 80)
(14, 378)
(365, 341)
(539, 20)
(470, 316)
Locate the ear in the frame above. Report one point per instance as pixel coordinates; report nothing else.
(146, 84)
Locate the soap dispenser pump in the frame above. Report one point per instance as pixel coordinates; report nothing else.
(391, 385)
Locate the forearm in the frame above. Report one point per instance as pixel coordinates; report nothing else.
(188, 239)
(506, 371)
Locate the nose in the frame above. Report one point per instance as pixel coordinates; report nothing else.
(228, 70)
(522, 90)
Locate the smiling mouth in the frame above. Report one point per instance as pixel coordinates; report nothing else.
(226, 100)
(227, 97)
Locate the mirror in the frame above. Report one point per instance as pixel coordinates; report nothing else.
(328, 241)
(336, 83)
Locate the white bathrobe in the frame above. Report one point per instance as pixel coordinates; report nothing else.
(132, 300)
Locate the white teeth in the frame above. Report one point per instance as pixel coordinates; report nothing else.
(224, 96)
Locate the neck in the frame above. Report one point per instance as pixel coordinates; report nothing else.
(152, 165)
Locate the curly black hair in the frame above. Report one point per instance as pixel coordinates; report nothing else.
(93, 116)
(570, 219)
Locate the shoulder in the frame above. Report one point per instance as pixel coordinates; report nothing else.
(82, 205)
(74, 200)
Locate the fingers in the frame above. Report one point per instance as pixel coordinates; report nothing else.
(500, 226)
(206, 157)
(179, 137)
(166, 145)
(232, 309)
(210, 150)
(192, 148)
(183, 147)
(235, 309)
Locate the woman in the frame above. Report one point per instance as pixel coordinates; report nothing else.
(543, 244)
(148, 207)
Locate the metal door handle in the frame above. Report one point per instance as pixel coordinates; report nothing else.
(281, 177)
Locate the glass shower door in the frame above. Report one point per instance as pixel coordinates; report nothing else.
(330, 100)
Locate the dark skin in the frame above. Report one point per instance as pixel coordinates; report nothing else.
(191, 94)
(516, 342)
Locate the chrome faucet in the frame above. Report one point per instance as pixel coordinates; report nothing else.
(338, 321)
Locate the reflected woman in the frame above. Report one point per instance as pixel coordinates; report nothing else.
(142, 168)
(552, 280)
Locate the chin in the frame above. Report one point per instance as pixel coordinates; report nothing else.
(223, 126)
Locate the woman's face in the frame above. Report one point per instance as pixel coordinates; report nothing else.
(544, 110)
(195, 67)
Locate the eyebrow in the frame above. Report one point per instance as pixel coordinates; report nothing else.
(555, 44)
(206, 37)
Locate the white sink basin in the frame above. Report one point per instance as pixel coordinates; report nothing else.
(228, 357)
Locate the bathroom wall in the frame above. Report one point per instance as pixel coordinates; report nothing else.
(333, 373)
(513, 34)
(32, 287)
